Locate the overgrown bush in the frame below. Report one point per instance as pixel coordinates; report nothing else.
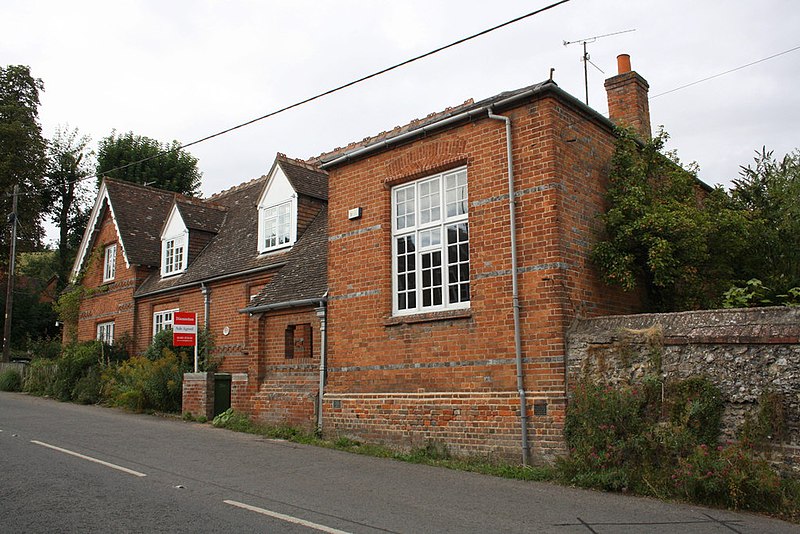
(141, 384)
(732, 476)
(163, 341)
(40, 377)
(76, 362)
(10, 380)
(628, 439)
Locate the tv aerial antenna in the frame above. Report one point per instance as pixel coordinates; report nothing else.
(586, 58)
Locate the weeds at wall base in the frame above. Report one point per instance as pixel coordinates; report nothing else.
(434, 453)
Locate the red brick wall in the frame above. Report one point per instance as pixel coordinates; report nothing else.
(198, 394)
(382, 366)
(227, 298)
(108, 301)
(284, 391)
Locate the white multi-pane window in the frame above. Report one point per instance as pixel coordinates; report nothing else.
(430, 244)
(173, 255)
(277, 226)
(110, 263)
(163, 320)
(105, 332)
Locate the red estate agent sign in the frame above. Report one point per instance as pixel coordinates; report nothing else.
(184, 329)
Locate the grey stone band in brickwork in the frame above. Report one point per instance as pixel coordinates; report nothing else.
(354, 232)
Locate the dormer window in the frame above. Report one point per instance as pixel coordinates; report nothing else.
(173, 255)
(277, 226)
(277, 213)
(110, 263)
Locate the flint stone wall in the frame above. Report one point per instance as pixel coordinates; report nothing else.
(745, 352)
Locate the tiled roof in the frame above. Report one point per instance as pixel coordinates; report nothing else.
(305, 178)
(305, 276)
(234, 248)
(201, 215)
(140, 213)
(417, 124)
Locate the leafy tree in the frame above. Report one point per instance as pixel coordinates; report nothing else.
(22, 154)
(664, 230)
(33, 317)
(67, 191)
(167, 166)
(768, 193)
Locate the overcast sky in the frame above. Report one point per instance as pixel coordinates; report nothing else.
(182, 69)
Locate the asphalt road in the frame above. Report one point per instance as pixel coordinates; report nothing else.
(69, 468)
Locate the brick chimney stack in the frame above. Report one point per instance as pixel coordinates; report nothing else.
(627, 98)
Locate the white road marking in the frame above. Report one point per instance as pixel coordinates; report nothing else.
(287, 518)
(95, 460)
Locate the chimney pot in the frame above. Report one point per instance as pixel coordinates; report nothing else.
(623, 63)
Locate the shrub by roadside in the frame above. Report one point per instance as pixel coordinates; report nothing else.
(628, 439)
(10, 380)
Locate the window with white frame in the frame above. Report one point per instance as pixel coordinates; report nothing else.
(105, 332)
(110, 263)
(430, 244)
(276, 226)
(163, 320)
(173, 254)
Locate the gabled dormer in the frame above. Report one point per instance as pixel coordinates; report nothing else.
(293, 194)
(277, 213)
(174, 244)
(189, 227)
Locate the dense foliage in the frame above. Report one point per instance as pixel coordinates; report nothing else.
(684, 244)
(768, 193)
(629, 439)
(67, 192)
(22, 154)
(142, 160)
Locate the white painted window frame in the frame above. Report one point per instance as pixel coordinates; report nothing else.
(264, 218)
(110, 263)
(169, 265)
(422, 222)
(105, 332)
(163, 320)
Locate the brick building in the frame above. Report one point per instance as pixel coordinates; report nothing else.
(148, 253)
(416, 286)
(430, 336)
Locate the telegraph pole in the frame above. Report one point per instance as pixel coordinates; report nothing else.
(10, 288)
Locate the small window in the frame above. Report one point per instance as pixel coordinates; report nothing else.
(277, 226)
(105, 332)
(163, 320)
(298, 341)
(110, 263)
(173, 256)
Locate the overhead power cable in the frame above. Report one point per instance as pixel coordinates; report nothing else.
(726, 72)
(340, 87)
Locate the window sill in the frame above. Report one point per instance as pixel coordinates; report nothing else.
(427, 317)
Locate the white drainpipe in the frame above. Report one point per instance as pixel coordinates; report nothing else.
(523, 409)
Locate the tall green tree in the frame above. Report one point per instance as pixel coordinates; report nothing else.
(664, 231)
(68, 192)
(22, 155)
(165, 166)
(768, 193)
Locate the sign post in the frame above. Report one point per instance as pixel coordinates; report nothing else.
(184, 332)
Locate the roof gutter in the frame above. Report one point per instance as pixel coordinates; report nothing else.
(285, 304)
(209, 280)
(467, 115)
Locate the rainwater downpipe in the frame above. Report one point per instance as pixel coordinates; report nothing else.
(523, 409)
(206, 291)
(322, 313)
